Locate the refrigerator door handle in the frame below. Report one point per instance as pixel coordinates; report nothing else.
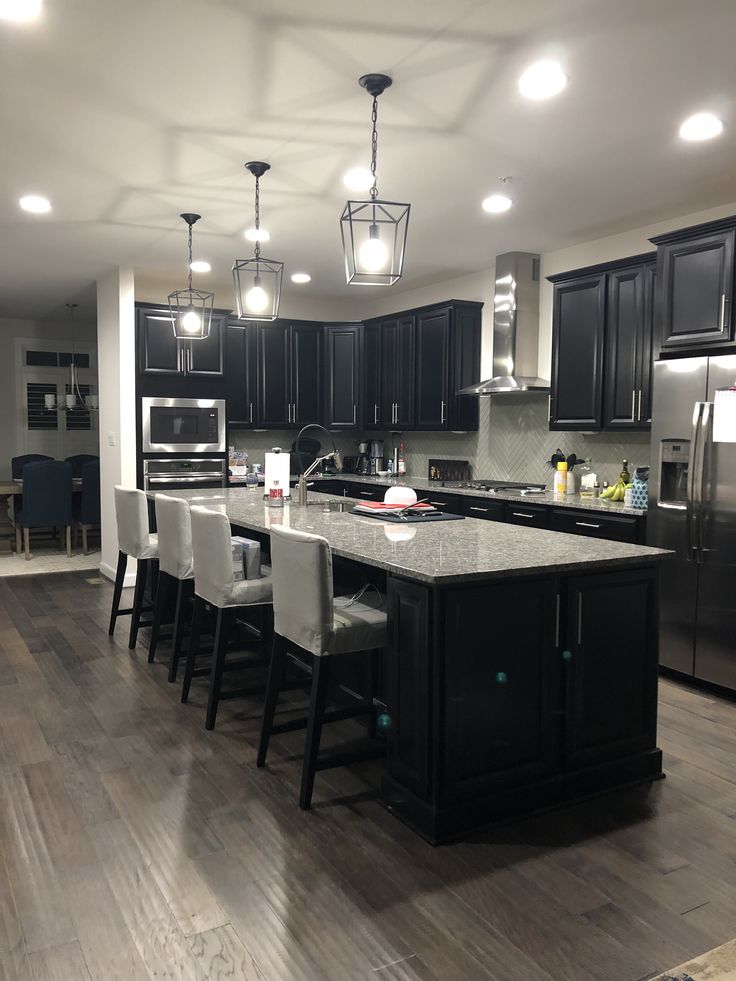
(705, 419)
(692, 550)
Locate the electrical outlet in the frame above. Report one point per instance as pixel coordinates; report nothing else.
(111, 439)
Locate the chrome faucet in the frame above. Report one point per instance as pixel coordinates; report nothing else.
(302, 493)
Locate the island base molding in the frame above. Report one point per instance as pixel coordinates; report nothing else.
(441, 825)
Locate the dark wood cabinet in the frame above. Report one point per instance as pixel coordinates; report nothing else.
(242, 377)
(595, 524)
(628, 347)
(530, 515)
(289, 369)
(397, 373)
(371, 376)
(481, 507)
(695, 274)
(611, 664)
(306, 373)
(161, 353)
(578, 322)
(342, 376)
(432, 345)
(463, 410)
(451, 503)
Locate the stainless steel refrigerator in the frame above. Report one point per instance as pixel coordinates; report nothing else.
(692, 510)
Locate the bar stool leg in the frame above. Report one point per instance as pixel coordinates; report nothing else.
(276, 675)
(320, 681)
(140, 587)
(117, 591)
(158, 613)
(222, 630)
(196, 630)
(182, 594)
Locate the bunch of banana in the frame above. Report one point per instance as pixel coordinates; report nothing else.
(615, 492)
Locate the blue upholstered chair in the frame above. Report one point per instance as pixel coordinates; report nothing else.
(47, 501)
(79, 460)
(18, 462)
(86, 506)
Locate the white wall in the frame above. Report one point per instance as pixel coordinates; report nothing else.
(12, 411)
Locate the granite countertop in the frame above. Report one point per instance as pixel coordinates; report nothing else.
(548, 498)
(440, 552)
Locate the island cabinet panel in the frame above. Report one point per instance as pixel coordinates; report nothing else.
(407, 684)
(499, 688)
(611, 659)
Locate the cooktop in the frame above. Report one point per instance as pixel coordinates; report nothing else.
(493, 486)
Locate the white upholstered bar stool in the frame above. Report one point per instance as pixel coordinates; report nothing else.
(136, 542)
(175, 573)
(308, 618)
(214, 584)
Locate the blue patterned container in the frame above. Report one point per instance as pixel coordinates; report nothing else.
(639, 493)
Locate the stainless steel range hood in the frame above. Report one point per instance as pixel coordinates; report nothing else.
(515, 328)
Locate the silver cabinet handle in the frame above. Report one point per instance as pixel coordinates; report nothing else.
(250, 412)
(722, 322)
(289, 411)
(366, 493)
(522, 514)
(442, 412)
(586, 524)
(484, 510)
(396, 413)
(638, 411)
(580, 618)
(375, 413)
(355, 415)
(633, 405)
(438, 504)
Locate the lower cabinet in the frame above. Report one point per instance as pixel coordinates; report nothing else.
(594, 524)
(451, 503)
(530, 515)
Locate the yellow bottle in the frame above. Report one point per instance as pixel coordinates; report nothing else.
(559, 485)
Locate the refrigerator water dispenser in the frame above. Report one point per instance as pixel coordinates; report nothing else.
(674, 460)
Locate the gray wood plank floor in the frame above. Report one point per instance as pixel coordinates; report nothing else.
(136, 845)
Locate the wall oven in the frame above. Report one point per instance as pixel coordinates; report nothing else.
(178, 473)
(183, 425)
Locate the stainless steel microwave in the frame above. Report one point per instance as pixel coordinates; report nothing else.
(183, 425)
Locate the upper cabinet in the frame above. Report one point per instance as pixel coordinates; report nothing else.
(342, 376)
(289, 373)
(242, 385)
(695, 273)
(397, 373)
(602, 346)
(160, 353)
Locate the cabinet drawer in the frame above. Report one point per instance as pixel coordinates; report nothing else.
(531, 515)
(452, 503)
(479, 507)
(366, 493)
(618, 528)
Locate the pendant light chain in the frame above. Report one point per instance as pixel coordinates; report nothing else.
(190, 260)
(374, 147)
(258, 216)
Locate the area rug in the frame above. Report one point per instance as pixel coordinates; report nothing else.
(45, 561)
(718, 964)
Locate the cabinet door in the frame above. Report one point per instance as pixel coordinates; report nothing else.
(405, 374)
(499, 687)
(611, 661)
(529, 515)
(241, 385)
(646, 347)
(204, 357)
(274, 393)
(389, 372)
(372, 408)
(159, 350)
(306, 371)
(696, 282)
(624, 330)
(577, 353)
(465, 367)
(342, 377)
(432, 345)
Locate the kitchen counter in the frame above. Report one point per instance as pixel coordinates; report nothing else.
(439, 552)
(548, 498)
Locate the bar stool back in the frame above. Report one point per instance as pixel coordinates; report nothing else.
(176, 568)
(136, 542)
(309, 618)
(214, 583)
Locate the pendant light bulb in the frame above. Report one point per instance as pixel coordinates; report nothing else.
(373, 254)
(256, 299)
(191, 322)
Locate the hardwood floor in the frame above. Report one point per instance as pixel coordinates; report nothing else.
(136, 845)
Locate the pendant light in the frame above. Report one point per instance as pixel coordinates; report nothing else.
(190, 309)
(257, 280)
(374, 231)
(73, 399)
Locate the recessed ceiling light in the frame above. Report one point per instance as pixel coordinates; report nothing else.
(701, 126)
(20, 10)
(257, 234)
(199, 265)
(300, 278)
(496, 204)
(358, 179)
(35, 203)
(542, 80)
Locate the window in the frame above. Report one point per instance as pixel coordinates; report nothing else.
(39, 417)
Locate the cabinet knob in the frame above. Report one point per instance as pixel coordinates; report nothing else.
(501, 677)
(567, 655)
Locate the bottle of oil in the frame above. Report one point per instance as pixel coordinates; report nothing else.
(625, 475)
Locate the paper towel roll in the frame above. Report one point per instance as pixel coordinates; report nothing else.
(278, 466)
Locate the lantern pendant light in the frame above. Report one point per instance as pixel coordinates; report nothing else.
(257, 281)
(374, 231)
(190, 309)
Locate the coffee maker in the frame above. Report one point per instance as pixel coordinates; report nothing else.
(376, 462)
(363, 460)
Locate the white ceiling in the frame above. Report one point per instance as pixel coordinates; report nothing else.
(126, 113)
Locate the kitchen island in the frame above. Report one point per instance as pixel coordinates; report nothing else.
(521, 665)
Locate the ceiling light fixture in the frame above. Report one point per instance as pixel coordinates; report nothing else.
(200, 265)
(257, 234)
(73, 398)
(190, 309)
(257, 280)
(36, 204)
(358, 179)
(497, 204)
(374, 231)
(20, 11)
(301, 278)
(542, 80)
(701, 126)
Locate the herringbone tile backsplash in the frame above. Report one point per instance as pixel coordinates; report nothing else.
(512, 443)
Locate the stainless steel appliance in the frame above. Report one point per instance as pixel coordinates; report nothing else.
(178, 473)
(692, 510)
(183, 425)
(376, 460)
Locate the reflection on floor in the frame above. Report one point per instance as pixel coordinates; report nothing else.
(44, 560)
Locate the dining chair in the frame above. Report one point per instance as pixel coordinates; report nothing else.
(78, 460)
(310, 621)
(47, 502)
(86, 505)
(136, 542)
(18, 462)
